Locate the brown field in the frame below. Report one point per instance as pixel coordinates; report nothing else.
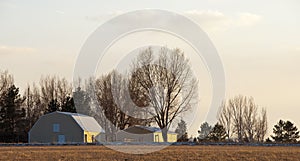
(170, 153)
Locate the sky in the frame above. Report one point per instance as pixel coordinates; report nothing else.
(258, 43)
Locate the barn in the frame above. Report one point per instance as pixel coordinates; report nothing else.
(140, 133)
(65, 127)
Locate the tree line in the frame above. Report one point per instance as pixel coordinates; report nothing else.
(155, 91)
(283, 132)
(241, 120)
(160, 88)
(19, 112)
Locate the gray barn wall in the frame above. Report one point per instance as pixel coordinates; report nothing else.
(42, 131)
(123, 136)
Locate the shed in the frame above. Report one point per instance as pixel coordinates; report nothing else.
(65, 127)
(140, 133)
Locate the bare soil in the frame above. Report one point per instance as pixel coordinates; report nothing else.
(205, 153)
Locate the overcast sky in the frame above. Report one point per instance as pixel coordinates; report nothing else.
(258, 42)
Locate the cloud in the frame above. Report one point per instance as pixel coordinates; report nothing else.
(104, 16)
(9, 50)
(218, 21)
(59, 12)
(209, 20)
(247, 19)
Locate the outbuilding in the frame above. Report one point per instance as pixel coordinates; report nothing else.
(140, 133)
(65, 127)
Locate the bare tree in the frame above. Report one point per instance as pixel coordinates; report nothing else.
(55, 89)
(85, 99)
(113, 102)
(262, 126)
(32, 105)
(6, 81)
(166, 84)
(106, 105)
(250, 119)
(64, 89)
(236, 105)
(225, 118)
(241, 113)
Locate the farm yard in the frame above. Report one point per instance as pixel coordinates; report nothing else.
(150, 80)
(206, 153)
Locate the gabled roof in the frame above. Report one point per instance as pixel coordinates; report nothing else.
(150, 128)
(87, 123)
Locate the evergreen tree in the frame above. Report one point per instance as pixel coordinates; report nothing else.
(285, 132)
(68, 105)
(292, 133)
(81, 101)
(205, 129)
(53, 106)
(12, 115)
(268, 140)
(181, 130)
(278, 131)
(218, 133)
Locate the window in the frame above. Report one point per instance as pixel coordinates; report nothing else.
(55, 127)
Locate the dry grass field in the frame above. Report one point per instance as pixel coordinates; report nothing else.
(170, 153)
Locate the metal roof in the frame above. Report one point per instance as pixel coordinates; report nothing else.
(151, 129)
(87, 123)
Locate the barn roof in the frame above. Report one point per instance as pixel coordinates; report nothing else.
(87, 123)
(151, 129)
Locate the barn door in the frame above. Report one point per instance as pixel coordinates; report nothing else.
(61, 139)
(156, 138)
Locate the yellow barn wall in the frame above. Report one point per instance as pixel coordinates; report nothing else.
(171, 137)
(90, 136)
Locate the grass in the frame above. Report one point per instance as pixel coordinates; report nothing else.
(170, 153)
